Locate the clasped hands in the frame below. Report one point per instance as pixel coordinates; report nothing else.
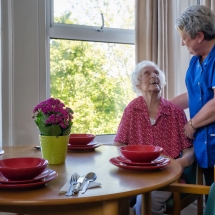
(189, 131)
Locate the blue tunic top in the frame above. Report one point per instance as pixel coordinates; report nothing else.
(200, 81)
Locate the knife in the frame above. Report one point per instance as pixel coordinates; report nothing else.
(79, 182)
(37, 147)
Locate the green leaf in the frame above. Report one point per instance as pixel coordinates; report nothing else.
(53, 130)
(67, 131)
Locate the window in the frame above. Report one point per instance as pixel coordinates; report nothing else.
(117, 13)
(91, 60)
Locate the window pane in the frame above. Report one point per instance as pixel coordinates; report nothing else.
(94, 80)
(117, 13)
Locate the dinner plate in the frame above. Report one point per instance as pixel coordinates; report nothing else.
(1, 152)
(93, 143)
(121, 165)
(51, 176)
(44, 174)
(80, 148)
(123, 159)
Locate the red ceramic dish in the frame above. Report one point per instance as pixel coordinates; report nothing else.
(158, 160)
(121, 165)
(44, 174)
(141, 153)
(51, 176)
(81, 148)
(93, 143)
(22, 168)
(80, 139)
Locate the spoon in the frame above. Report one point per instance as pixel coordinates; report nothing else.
(91, 176)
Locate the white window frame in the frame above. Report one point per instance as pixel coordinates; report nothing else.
(86, 33)
(83, 33)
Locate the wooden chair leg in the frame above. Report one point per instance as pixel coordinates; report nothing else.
(146, 203)
(200, 182)
(200, 206)
(177, 203)
(199, 176)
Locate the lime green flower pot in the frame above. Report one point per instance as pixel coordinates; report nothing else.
(54, 149)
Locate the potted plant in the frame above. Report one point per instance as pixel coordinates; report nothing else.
(54, 122)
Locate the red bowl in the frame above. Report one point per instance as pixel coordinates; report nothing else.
(80, 139)
(141, 153)
(22, 168)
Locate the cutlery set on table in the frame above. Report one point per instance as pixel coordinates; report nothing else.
(79, 184)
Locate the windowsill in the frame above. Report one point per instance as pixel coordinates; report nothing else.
(106, 139)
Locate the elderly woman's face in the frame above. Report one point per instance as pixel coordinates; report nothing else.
(149, 79)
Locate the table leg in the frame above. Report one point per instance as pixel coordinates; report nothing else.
(146, 203)
(110, 207)
(123, 206)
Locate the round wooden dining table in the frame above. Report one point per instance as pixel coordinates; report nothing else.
(117, 185)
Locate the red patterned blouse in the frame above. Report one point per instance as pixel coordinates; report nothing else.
(167, 132)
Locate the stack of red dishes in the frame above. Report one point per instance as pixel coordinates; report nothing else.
(140, 157)
(82, 142)
(24, 172)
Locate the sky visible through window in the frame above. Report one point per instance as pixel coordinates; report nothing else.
(117, 13)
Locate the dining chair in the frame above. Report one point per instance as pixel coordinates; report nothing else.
(186, 194)
(210, 206)
(179, 200)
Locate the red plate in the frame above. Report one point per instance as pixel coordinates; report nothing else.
(119, 164)
(52, 175)
(44, 174)
(89, 144)
(160, 159)
(81, 148)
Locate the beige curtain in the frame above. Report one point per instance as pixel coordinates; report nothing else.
(209, 3)
(146, 20)
(155, 36)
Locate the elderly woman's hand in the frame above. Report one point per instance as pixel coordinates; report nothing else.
(189, 131)
(187, 157)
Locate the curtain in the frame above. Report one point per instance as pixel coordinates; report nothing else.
(155, 37)
(146, 21)
(209, 3)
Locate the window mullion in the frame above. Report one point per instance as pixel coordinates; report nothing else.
(86, 33)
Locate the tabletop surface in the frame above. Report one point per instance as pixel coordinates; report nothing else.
(116, 182)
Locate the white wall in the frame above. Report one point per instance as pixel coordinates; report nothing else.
(22, 67)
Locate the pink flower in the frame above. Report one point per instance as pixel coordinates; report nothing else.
(52, 112)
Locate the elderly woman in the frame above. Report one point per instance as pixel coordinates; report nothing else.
(151, 120)
(196, 27)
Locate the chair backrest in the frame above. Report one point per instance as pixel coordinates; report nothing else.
(210, 206)
(189, 175)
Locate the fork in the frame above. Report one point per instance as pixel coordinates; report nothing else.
(73, 181)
